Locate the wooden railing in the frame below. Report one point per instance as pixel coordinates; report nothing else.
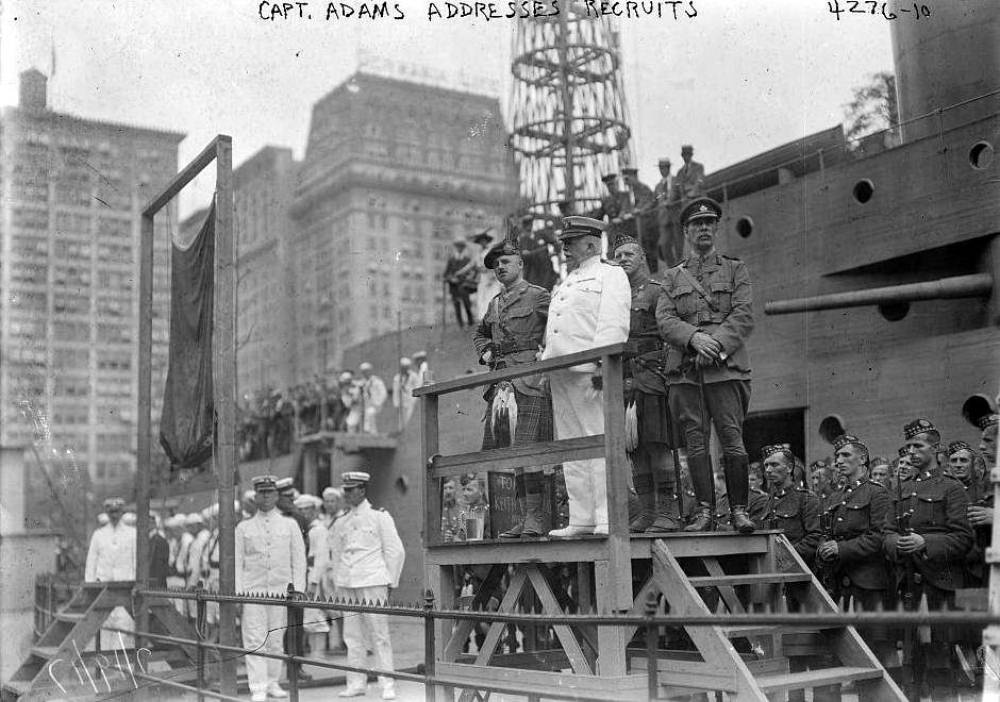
(610, 445)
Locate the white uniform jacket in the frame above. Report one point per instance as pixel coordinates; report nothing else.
(365, 549)
(589, 309)
(111, 555)
(270, 554)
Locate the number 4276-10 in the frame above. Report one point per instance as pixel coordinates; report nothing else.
(873, 7)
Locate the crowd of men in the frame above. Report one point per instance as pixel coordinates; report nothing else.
(350, 402)
(337, 546)
(653, 214)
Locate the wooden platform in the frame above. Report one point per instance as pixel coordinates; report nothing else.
(696, 574)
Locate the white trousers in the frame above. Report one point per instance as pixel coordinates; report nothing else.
(578, 411)
(362, 630)
(263, 629)
(370, 426)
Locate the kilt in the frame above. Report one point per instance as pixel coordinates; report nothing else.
(651, 413)
(534, 420)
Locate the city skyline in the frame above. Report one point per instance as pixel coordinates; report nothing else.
(734, 81)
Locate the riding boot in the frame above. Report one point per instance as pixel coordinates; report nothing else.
(703, 520)
(704, 490)
(647, 501)
(737, 470)
(535, 523)
(519, 495)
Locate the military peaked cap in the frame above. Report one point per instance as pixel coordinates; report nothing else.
(701, 208)
(575, 226)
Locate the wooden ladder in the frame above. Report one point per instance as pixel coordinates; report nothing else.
(63, 662)
(758, 667)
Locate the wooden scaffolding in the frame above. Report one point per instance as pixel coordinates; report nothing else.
(691, 574)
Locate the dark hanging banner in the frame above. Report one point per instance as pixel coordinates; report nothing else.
(187, 425)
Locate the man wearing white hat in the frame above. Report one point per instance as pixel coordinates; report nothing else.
(589, 309)
(367, 559)
(373, 396)
(110, 558)
(313, 620)
(350, 397)
(270, 554)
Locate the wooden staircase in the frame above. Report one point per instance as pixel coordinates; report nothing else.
(752, 662)
(64, 663)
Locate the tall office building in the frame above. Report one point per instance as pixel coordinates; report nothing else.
(394, 170)
(73, 189)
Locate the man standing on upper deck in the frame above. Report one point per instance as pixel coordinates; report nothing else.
(589, 309)
(706, 315)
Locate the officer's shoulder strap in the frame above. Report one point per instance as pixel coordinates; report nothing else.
(654, 281)
(732, 258)
(536, 288)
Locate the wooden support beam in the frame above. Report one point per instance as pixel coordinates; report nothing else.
(224, 347)
(143, 414)
(431, 488)
(479, 379)
(496, 460)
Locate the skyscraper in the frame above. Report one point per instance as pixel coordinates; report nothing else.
(393, 172)
(72, 192)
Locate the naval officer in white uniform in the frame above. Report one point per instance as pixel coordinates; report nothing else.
(366, 556)
(270, 554)
(589, 309)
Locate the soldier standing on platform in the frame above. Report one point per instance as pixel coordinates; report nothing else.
(510, 334)
(926, 538)
(705, 313)
(646, 393)
(367, 559)
(853, 554)
(270, 555)
(589, 309)
(690, 180)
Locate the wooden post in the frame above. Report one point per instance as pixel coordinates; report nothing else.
(143, 418)
(432, 488)
(617, 465)
(224, 346)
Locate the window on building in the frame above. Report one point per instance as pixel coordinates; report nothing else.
(70, 331)
(70, 303)
(71, 359)
(72, 386)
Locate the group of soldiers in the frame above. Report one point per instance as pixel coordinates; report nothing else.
(685, 358)
(914, 545)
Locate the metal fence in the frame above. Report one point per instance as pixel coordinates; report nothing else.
(649, 625)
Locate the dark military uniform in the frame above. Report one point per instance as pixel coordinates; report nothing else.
(795, 511)
(727, 316)
(935, 506)
(644, 356)
(513, 328)
(857, 518)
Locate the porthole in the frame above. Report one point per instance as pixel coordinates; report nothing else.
(981, 155)
(863, 190)
(744, 227)
(894, 311)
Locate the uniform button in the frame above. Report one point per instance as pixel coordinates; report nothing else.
(840, 519)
